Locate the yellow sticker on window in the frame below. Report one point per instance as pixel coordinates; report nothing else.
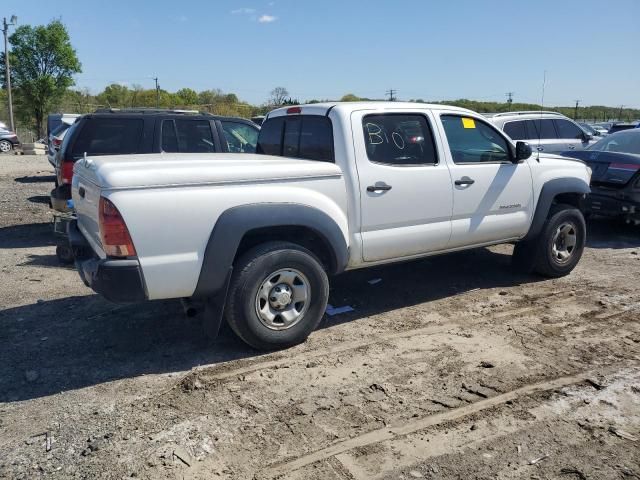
(468, 122)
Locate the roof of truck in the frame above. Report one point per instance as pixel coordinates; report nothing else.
(325, 108)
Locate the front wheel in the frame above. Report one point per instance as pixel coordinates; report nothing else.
(5, 146)
(559, 247)
(277, 295)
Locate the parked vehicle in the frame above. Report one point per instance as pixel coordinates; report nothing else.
(620, 126)
(615, 184)
(338, 186)
(57, 136)
(8, 140)
(117, 132)
(54, 120)
(590, 130)
(550, 132)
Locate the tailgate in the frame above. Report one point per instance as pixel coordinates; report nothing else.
(86, 201)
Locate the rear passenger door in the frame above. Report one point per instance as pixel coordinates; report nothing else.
(544, 136)
(405, 186)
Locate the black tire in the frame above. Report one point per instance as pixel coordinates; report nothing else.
(546, 261)
(64, 254)
(6, 145)
(254, 268)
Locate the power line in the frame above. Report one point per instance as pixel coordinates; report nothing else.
(392, 94)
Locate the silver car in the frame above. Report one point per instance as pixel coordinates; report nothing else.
(550, 132)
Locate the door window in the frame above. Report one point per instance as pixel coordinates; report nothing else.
(240, 137)
(473, 141)
(399, 139)
(542, 129)
(567, 129)
(516, 130)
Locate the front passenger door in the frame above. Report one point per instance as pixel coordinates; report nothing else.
(492, 196)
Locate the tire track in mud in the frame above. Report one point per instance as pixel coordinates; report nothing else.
(280, 469)
(222, 372)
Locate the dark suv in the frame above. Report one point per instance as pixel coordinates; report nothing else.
(118, 132)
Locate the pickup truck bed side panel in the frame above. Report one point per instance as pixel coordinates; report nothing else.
(235, 222)
(171, 253)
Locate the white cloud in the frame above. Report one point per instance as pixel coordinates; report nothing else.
(267, 19)
(243, 11)
(183, 18)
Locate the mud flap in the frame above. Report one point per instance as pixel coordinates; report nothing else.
(214, 309)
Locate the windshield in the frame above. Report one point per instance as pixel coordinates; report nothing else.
(623, 142)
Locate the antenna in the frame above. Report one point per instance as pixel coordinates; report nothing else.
(391, 92)
(544, 84)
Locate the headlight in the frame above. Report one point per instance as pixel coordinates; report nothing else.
(589, 171)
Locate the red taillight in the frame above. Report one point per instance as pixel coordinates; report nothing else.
(57, 142)
(293, 110)
(116, 240)
(67, 172)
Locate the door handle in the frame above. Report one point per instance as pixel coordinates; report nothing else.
(465, 181)
(540, 149)
(378, 188)
(572, 147)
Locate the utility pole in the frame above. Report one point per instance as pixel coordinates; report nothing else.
(7, 68)
(620, 112)
(575, 112)
(391, 92)
(509, 99)
(157, 92)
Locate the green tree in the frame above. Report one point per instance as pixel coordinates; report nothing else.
(350, 97)
(43, 63)
(187, 96)
(115, 95)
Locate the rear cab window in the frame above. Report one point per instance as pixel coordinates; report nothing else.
(308, 137)
(108, 136)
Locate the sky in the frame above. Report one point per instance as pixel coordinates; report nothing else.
(323, 49)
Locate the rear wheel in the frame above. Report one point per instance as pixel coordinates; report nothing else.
(277, 296)
(5, 146)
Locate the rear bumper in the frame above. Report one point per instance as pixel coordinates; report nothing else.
(120, 281)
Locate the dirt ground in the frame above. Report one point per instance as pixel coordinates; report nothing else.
(448, 368)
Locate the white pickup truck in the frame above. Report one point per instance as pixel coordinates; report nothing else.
(335, 187)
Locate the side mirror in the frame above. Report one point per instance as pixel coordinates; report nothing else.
(587, 137)
(523, 151)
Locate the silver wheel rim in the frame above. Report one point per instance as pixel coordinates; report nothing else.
(5, 146)
(564, 242)
(282, 299)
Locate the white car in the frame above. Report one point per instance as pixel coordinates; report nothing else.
(337, 187)
(549, 132)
